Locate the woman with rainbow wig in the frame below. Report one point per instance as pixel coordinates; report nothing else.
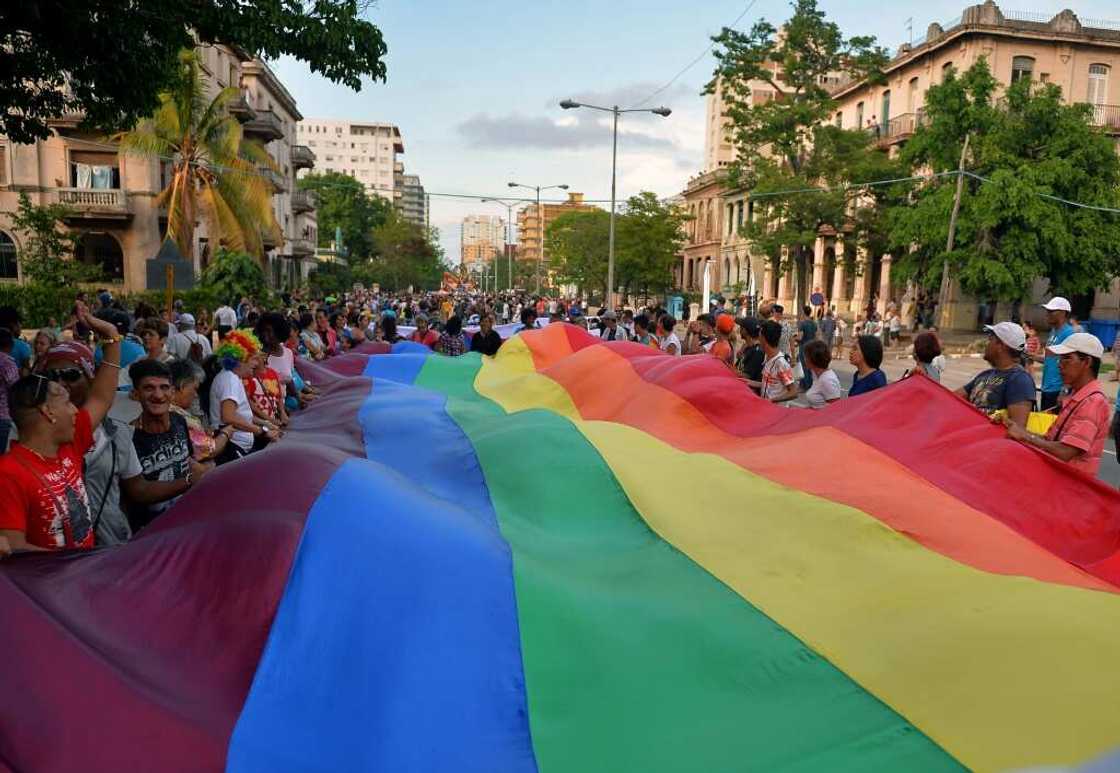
(229, 403)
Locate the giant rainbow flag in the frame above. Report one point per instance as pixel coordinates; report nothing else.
(577, 557)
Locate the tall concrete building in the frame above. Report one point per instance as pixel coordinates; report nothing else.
(412, 203)
(365, 150)
(483, 238)
(530, 227)
(112, 196)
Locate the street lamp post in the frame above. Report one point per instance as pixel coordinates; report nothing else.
(540, 222)
(664, 112)
(509, 205)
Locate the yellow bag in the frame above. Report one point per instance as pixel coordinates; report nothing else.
(1037, 423)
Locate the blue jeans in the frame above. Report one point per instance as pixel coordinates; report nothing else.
(807, 375)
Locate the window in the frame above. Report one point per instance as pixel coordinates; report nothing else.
(885, 119)
(730, 219)
(839, 120)
(90, 169)
(103, 251)
(3, 166)
(1098, 84)
(1021, 68)
(946, 70)
(739, 214)
(7, 257)
(859, 115)
(912, 96)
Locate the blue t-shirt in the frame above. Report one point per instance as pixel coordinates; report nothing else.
(21, 352)
(994, 390)
(876, 379)
(1051, 378)
(130, 352)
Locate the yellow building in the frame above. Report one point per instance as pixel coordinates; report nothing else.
(529, 229)
(112, 196)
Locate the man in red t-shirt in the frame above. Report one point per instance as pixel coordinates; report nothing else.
(424, 334)
(43, 503)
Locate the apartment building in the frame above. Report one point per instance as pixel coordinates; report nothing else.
(532, 223)
(112, 196)
(482, 238)
(413, 203)
(367, 151)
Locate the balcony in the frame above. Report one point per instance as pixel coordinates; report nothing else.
(266, 126)
(95, 203)
(276, 179)
(302, 248)
(241, 109)
(302, 157)
(1107, 117)
(303, 201)
(897, 129)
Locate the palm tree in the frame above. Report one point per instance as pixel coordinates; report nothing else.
(215, 172)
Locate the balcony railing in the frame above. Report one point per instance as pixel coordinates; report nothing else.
(304, 201)
(302, 157)
(241, 109)
(899, 128)
(302, 247)
(1107, 116)
(94, 202)
(276, 179)
(266, 126)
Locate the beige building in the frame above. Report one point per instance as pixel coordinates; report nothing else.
(529, 226)
(413, 203)
(365, 150)
(112, 196)
(482, 238)
(1082, 56)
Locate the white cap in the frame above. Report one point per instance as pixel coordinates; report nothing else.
(1057, 303)
(1010, 333)
(186, 320)
(1084, 343)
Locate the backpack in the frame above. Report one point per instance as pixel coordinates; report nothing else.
(196, 353)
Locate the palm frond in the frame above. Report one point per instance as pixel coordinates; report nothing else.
(222, 219)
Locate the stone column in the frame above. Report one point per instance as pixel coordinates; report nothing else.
(885, 285)
(863, 279)
(818, 265)
(766, 289)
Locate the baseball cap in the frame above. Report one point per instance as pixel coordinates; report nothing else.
(1010, 333)
(609, 315)
(1057, 303)
(725, 323)
(186, 320)
(1083, 343)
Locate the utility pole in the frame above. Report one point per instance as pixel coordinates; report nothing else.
(943, 300)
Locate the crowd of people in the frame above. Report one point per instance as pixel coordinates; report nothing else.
(211, 388)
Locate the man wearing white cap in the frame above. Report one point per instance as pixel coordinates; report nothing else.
(1006, 385)
(1058, 311)
(187, 344)
(1078, 436)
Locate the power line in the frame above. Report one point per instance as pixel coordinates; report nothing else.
(645, 102)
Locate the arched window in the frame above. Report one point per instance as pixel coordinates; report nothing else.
(8, 269)
(1021, 68)
(912, 103)
(726, 271)
(859, 115)
(946, 70)
(104, 251)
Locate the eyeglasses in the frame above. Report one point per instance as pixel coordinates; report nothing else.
(67, 375)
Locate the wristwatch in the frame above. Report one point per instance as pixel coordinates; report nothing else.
(116, 339)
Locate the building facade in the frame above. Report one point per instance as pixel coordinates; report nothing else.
(413, 203)
(532, 224)
(367, 151)
(482, 238)
(112, 196)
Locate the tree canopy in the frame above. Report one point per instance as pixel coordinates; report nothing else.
(403, 254)
(344, 204)
(787, 149)
(111, 60)
(1031, 147)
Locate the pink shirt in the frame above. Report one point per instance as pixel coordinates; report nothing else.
(1083, 424)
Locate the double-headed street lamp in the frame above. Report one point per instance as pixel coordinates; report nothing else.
(664, 112)
(540, 221)
(509, 205)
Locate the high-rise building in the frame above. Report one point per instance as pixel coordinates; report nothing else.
(364, 150)
(529, 227)
(483, 238)
(412, 202)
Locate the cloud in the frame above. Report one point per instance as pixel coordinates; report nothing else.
(520, 131)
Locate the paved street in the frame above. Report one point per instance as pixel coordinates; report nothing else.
(958, 372)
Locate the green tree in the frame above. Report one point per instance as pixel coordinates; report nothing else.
(47, 248)
(215, 172)
(344, 204)
(232, 274)
(330, 278)
(111, 60)
(787, 150)
(1031, 146)
(577, 245)
(649, 235)
(404, 254)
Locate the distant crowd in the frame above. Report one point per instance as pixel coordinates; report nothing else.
(208, 388)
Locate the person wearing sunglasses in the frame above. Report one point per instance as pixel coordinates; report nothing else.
(44, 504)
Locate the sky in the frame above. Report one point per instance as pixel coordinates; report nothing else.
(475, 88)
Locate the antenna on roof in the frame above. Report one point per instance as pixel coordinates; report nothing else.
(910, 30)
